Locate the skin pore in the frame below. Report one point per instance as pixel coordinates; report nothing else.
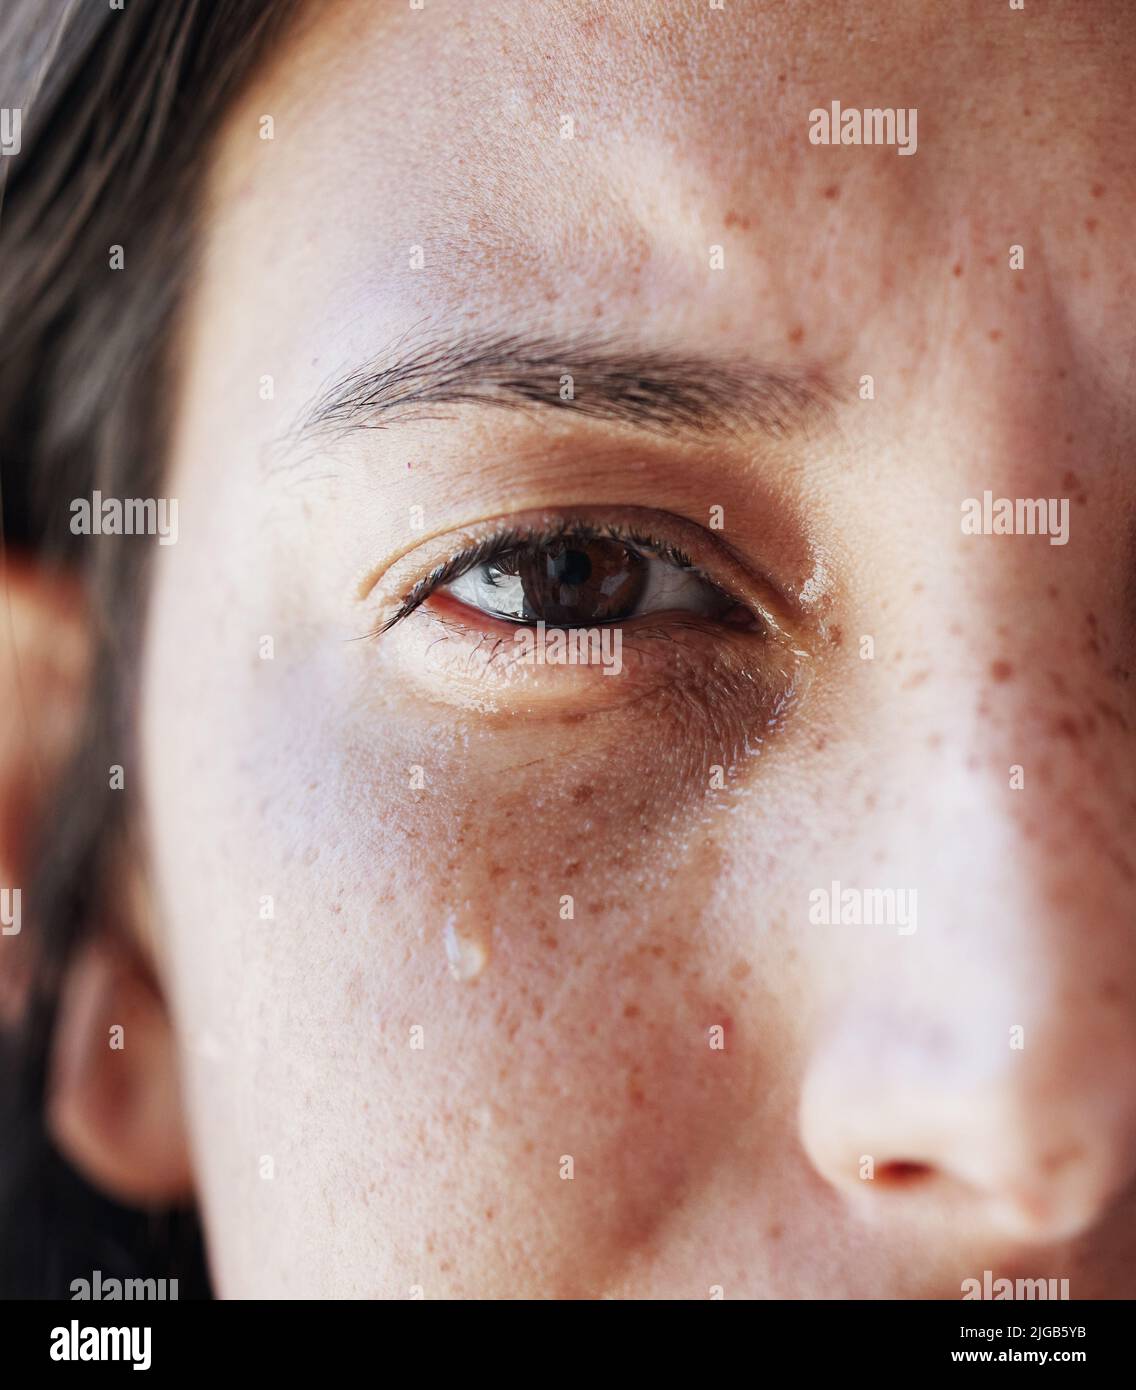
(418, 807)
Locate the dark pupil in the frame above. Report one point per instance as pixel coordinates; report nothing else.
(575, 583)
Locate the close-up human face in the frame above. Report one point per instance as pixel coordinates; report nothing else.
(634, 779)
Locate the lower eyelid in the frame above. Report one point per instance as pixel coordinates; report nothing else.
(446, 654)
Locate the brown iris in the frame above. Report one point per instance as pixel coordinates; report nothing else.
(577, 582)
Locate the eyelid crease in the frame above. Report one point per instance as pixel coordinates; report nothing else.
(508, 538)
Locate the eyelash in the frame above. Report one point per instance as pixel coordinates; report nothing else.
(501, 542)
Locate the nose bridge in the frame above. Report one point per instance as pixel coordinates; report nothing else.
(1016, 803)
(1004, 737)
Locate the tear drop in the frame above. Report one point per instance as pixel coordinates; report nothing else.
(466, 956)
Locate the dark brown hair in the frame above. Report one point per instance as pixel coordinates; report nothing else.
(118, 107)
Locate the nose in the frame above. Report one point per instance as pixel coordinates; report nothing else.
(981, 1070)
(995, 1127)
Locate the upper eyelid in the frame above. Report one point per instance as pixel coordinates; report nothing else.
(509, 538)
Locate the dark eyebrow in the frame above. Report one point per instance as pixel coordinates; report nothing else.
(662, 390)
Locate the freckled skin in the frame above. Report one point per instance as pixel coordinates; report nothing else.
(587, 1034)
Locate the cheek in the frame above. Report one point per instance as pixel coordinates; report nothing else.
(488, 962)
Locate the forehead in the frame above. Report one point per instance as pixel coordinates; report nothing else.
(576, 161)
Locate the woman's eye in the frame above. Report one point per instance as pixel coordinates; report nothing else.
(585, 582)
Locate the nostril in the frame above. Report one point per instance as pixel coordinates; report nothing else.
(903, 1173)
